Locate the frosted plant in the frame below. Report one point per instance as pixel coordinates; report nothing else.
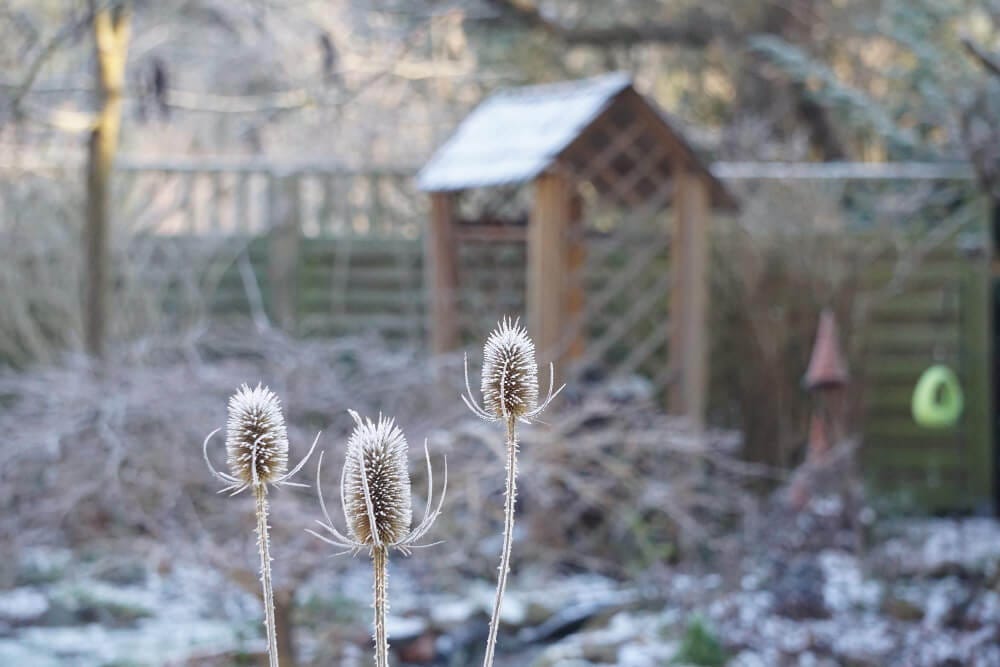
(510, 394)
(375, 495)
(257, 455)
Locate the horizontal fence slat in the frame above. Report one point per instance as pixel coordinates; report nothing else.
(919, 334)
(886, 452)
(316, 300)
(902, 426)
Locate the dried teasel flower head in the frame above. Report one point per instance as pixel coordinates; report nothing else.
(376, 483)
(510, 372)
(375, 491)
(256, 443)
(256, 437)
(510, 376)
(257, 454)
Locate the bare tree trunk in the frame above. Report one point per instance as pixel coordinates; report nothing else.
(111, 34)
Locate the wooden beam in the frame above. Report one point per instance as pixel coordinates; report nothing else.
(441, 273)
(548, 265)
(490, 233)
(284, 247)
(689, 298)
(576, 296)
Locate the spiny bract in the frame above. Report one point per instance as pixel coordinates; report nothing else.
(256, 437)
(377, 462)
(510, 372)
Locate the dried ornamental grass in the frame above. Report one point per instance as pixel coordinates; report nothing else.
(376, 499)
(257, 455)
(510, 394)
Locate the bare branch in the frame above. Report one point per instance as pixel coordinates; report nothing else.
(64, 34)
(695, 30)
(985, 59)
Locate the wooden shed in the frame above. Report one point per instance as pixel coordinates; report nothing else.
(576, 143)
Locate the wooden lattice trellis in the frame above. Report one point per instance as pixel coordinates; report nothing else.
(604, 166)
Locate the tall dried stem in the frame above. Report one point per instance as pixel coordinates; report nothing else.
(257, 449)
(380, 561)
(375, 492)
(510, 499)
(510, 394)
(264, 545)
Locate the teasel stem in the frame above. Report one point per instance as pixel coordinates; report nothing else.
(264, 544)
(380, 562)
(510, 499)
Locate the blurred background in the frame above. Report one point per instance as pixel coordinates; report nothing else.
(756, 238)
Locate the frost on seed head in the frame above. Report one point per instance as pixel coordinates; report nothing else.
(510, 372)
(376, 483)
(256, 438)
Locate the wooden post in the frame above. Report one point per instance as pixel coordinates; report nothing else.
(215, 202)
(976, 361)
(689, 298)
(241, 206)
(548, 264)
(111, 34)
(576, 297)
(283, 248)
(441, 273)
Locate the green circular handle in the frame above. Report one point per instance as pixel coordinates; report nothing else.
(937, 398)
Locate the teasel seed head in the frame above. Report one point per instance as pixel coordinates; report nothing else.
(256, 437)
(376, 483)
(510, 372)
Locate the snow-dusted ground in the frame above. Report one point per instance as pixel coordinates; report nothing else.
(927, 594)
(72, 620)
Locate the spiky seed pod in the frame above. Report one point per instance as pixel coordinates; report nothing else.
(376, 462)
(510, 372)
(375, 492)
(256, 437)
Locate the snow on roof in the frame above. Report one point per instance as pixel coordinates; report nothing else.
(515, 134)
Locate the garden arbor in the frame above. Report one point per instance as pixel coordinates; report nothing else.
(603, 162)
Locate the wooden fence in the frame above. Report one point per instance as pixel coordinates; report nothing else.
(919, 296)
(349, 286)
(942, 316)
(323, 251)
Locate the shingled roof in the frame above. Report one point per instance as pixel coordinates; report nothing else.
(515, 134)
